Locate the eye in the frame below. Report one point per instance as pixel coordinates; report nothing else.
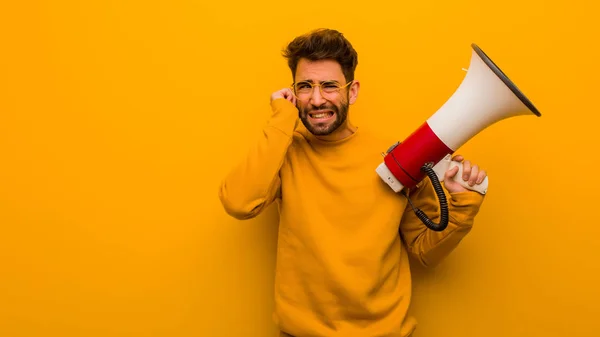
(303, 86)
(330, 86)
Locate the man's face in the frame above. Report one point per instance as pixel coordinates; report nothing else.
(322, 111)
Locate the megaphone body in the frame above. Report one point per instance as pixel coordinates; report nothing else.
(485, 96)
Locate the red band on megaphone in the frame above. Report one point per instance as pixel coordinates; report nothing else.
(406, 160)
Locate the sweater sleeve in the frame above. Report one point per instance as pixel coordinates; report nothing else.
(431, 247)
(254, 183)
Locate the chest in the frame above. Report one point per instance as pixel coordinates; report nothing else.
(339, 186)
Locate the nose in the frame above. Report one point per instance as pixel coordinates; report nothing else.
(316, 98)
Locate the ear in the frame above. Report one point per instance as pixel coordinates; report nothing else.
(353, 93)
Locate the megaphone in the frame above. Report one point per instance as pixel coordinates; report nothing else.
(485, 96)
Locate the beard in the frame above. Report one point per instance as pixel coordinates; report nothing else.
(323, 128)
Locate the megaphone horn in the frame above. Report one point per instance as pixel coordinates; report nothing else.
(485, 96)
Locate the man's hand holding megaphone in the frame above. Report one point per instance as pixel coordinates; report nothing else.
(471, 175)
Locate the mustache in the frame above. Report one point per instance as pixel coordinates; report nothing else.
(321, 107)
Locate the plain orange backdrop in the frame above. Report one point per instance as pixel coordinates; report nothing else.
(119, 118)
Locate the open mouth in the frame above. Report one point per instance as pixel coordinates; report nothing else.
(321, 115)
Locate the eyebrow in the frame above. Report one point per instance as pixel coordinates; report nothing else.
(311, 81)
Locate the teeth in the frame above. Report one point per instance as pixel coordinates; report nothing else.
(321, 115)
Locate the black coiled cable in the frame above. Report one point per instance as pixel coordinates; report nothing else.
(437, 186)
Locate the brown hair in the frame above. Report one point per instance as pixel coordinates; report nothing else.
(322, 44)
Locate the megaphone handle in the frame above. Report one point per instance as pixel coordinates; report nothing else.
(481, 188)
(447, 164)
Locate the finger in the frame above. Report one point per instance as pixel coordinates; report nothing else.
(481, 176)
(474, 175)
(293, 98)
(451, 172)
(466, 169)
(458, 158)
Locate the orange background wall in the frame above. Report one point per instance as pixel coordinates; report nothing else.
(119, 118)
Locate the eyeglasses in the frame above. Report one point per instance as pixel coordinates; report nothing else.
(326, 88)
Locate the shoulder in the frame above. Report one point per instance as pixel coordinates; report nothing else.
(299, 137)
(377, 140)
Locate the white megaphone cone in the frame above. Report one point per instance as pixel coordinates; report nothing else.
(485, 96)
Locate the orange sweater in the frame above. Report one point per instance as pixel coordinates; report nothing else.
(342, 267)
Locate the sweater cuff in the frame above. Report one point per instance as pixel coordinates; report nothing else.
(464, 206)
(284, 116)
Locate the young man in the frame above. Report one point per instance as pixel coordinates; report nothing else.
(344, 235)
